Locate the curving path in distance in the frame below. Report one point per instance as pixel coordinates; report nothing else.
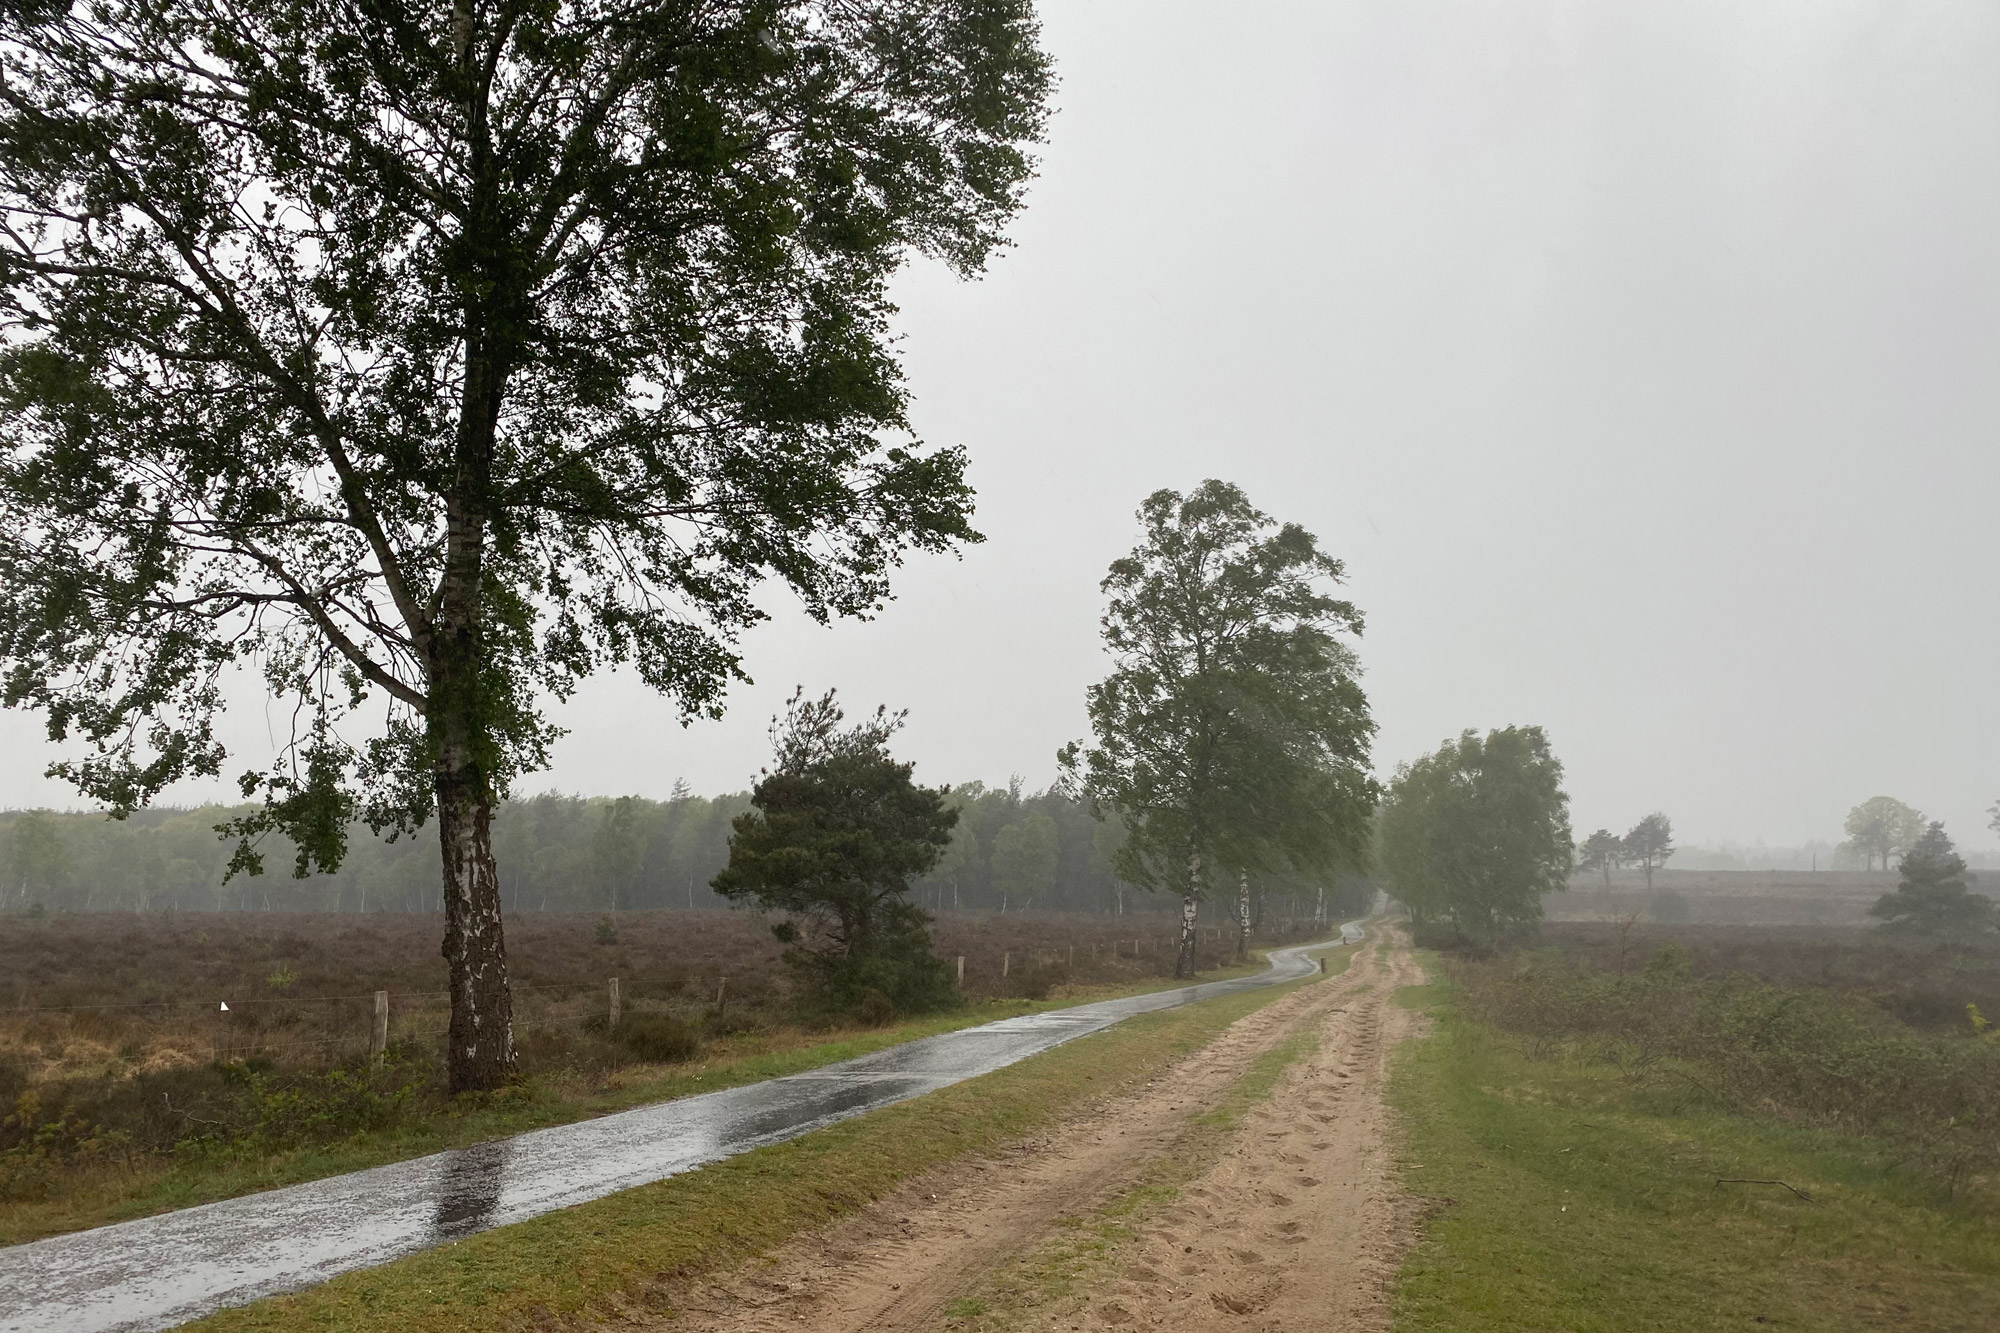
(155, 1272)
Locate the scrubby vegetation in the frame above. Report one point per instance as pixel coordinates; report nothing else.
(124, 1087)
(1564, 1190)
(1924, 983)
(1760, 1039)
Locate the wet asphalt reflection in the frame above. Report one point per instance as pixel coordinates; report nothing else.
(156, 1272)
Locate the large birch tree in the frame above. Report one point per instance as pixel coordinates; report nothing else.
(428, 356)
(1232, 734)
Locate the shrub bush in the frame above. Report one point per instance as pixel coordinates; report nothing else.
(902, 971)
(659, 1038)
(344, 1100)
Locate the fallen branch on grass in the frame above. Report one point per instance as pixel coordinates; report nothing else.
(1720, 1181)
(189, 1116)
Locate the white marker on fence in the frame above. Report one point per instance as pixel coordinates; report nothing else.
(378, 1041)
(617, 1009)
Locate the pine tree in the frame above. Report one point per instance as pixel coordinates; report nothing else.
(1933, 898)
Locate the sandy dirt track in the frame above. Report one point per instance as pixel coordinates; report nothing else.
(1298, 1223)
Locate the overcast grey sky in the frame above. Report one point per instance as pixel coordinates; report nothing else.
(1641, 359)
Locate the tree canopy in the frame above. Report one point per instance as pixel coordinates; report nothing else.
(1603, 851)
(1472, 835)
(837, 831)
(1933, 898)
(426, 358)
(1024, 860)
(1881, 827)
(1650, 842)
(1232, 734)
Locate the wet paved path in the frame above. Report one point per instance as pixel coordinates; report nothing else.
(156, 1272)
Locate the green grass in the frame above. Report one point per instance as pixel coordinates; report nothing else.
(633, 1251)
(1572, 1196)
(207, 1173)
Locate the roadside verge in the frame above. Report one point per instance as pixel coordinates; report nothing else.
(636, 1251)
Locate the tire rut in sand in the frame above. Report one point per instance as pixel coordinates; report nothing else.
(899, 1263)
(1301, 1224)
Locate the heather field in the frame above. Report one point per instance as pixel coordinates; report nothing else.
(290, 980)
(1924, 983)
(1727, 897)
(127, 1086)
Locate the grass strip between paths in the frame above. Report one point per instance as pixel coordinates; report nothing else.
(205, 1174)
(1577, 1196)
(636, 1249)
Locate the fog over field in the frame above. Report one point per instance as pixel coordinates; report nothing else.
(1639, 359)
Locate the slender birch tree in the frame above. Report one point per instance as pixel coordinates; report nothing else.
(1232, 734)
(428, 356)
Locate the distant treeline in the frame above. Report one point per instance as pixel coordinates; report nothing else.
(1011, 850)
(1821, 855)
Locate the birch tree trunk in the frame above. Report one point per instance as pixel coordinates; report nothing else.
(479, 1049)
(1242, 914)
(479, 1052)
(1190, 905)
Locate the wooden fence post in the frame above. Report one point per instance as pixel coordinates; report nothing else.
(617, 1009)
(1006, 962)
(378, 1041)
(961, 971)
(721, 994)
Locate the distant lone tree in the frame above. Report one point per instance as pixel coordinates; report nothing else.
(1603, 851)
(1650, 843)
(1933, 898)
(1472, 836)
(1880, 828)
(1232, 733)
(837, 831)
(427, 357)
